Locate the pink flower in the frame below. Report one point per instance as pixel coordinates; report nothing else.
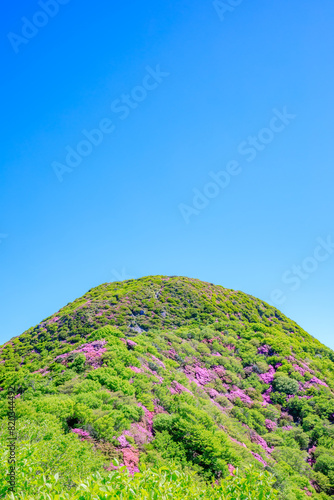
(123, 442)
(268, 377)
(213, 393)
(131, 344)
(238, 393)
(92, 351)
(255, 438)
(148, 417)
(171, 353)
(315, 380)
(135, 369)
(42, 371)
(231, 469)
(139, 434)
(271, 426)
(264, 349)
(158, 361)
(53, 320)
(178, 388)
(230, 347)
(259, 458)
(298, 369)
(131, 459)
(82, 434)
(266, 393)
(255, 455)
(204, 376)
(219, 370)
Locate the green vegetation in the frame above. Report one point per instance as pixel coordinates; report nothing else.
(196, 391)
(151, 484)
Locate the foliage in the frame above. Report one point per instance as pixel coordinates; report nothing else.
(153, 484)
(169, 373)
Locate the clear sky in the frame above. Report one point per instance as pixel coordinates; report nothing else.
(176, 138)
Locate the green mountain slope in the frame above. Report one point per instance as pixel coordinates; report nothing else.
(174, 372)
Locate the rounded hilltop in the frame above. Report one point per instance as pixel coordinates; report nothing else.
(163, 302)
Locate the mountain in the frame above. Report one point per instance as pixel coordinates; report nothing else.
(171, 372)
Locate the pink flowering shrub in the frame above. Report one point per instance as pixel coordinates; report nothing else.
(219, 370)
(123, 442)
(259, 458)
(316, 380)
(93, 353)
(179, 388)
(311, 459)
(230, 347)
(149, 415)
(264, 349)
(131, 459)
(171, 353)
(42, 371)
(131, 344)
(270, 425)
(139, 433)
(213, 393)
(266, 396)
(238, 393)
(53, 320)
(255, 455)
(268, 377)
(298, 369)
(202, 375)
(158, 361)
(135, 369)
(84, 435)
(231, 469)
(255, 438)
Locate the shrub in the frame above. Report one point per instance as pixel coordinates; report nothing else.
(152, 484)
(285, 385)
(325, 465)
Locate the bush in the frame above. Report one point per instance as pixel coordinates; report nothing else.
(325, 465)
(43, 448)
(152, 484)
(286, 385)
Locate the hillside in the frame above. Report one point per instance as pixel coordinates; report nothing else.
(171, 372)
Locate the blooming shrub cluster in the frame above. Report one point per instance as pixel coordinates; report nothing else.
(84, 435)
(270, 425)
(268, 377)
(263, 349)
(93, 353)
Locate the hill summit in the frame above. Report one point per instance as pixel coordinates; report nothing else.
(172, 372)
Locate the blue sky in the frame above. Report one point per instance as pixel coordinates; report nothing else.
(208, 151)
